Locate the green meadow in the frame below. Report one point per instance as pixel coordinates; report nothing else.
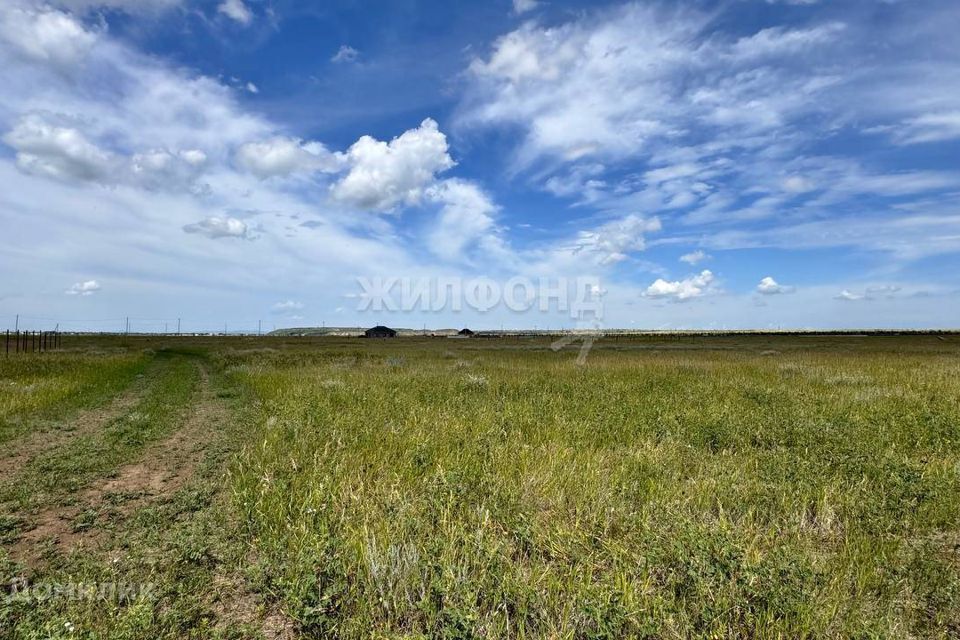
(670, 487)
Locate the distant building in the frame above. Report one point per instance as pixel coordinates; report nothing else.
(466, 333)
(380, 331)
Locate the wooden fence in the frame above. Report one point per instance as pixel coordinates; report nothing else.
(31, 341)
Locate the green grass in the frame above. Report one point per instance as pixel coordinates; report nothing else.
(176, 547)
(57, 474)
(725, 487)
(50, 386)
(509, 493)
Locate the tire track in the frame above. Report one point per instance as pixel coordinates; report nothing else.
(161, 469)
(26, 449)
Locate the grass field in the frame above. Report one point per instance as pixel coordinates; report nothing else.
(749, 486)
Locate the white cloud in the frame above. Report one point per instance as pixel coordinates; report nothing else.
(797, 184)
(781, 41)
(770, 287)
(46, 35)
(383, 175)
(53, 146)
(873, 292)
(612, 242)
(718, 128)
(252, 88)
(620, 82)
(161, 169)
(87, 288)
(886, 290)
(47, 145)
(345, 53)
(127, 119)
(127, 6)
(466, 218)
(695, 257)
(928, 127)
(849, 296)
(523, 6)
(680, 290)
(236, 10)
(196, 157)
(286, 306)
(219, 227)
(283, 156)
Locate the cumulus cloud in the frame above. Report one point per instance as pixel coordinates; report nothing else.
(236, 10)
(612, 242)
(54, 146)
(195, 157)
(770, 287)
(695, 257)
(383, 175)
(219, 227)
(46, 36)
(466, 218)
(161, 169)
(49, 145)
(681, 290)
(345, 53)
(284, 156)
(86, 288)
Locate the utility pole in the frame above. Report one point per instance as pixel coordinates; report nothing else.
(178, 326)
(259, 328)
(164, 328)
(16, 326)
(224, 328)
(127, 329)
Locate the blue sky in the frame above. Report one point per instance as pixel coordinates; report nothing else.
(739, 164)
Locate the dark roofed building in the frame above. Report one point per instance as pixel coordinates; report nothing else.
(380, 331)
(465, 332)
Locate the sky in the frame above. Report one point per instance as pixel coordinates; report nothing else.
(746, 164)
